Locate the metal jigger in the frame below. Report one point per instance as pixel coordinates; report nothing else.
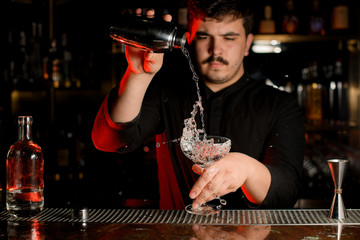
(338, 168)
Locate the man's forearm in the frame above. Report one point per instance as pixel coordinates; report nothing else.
(127, 104)
(257, 183)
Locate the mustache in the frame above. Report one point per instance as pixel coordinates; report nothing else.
(218, 59)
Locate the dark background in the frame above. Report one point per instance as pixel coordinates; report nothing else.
(78, 174)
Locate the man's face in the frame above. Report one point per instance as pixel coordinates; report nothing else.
(220, 47)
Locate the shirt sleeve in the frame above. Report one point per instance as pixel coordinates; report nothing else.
(105, 132)
(110, 136)
(284, 155)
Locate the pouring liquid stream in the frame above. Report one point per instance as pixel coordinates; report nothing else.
(190, 131)
(190, 123)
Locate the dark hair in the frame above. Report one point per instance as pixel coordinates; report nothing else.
(217, 9)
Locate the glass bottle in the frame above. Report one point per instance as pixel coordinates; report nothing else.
(153, 34)
(317, 25)
(342, 87)
(290, 23)
(182, 13)
(56, 63)
(340, 17)
(314, 114)
(24, 173)
(267, 25)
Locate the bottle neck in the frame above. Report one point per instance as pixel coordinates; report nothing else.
(25, 128)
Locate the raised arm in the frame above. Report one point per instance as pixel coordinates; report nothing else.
(143, 65)
(126, 103)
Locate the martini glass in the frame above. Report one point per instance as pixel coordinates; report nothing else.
(204, 151)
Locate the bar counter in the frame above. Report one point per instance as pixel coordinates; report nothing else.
(59, 223)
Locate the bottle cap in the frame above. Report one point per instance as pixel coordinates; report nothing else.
(268, 12)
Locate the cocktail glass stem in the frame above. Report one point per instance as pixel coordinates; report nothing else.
(222, 201)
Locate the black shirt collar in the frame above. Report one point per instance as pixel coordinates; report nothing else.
(209, 94)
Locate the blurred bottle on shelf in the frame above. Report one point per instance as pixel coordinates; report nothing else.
(302, 90)
(56, 64)
(25, 60)
(267, 25)
(313, 102)
(340, 17)
(317, 23)
(333, 98)
(11, 61)
(328, 93)
(35, 59)
(19, 68)
(301, 93)
(290, 22)
(46, 67)
(24, 173)
(324, 93)
(67, 60)
(342, 88)
(182, 19)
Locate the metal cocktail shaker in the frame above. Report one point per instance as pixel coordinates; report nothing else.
(153, 34)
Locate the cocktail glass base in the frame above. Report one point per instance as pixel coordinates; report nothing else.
(204, 210)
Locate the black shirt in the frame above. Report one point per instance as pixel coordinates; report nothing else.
(261, 121)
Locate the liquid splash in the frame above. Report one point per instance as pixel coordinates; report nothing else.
(190, 131)
(158, 144)
(196, 145)
(194, 142)
(198, 103)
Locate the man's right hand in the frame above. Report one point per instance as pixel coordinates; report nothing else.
(142, 66)
(140, 60)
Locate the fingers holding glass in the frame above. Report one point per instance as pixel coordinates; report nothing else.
(205, 179)
(206, 151)
(209, 192)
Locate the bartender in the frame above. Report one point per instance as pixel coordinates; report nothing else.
(265, 125)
